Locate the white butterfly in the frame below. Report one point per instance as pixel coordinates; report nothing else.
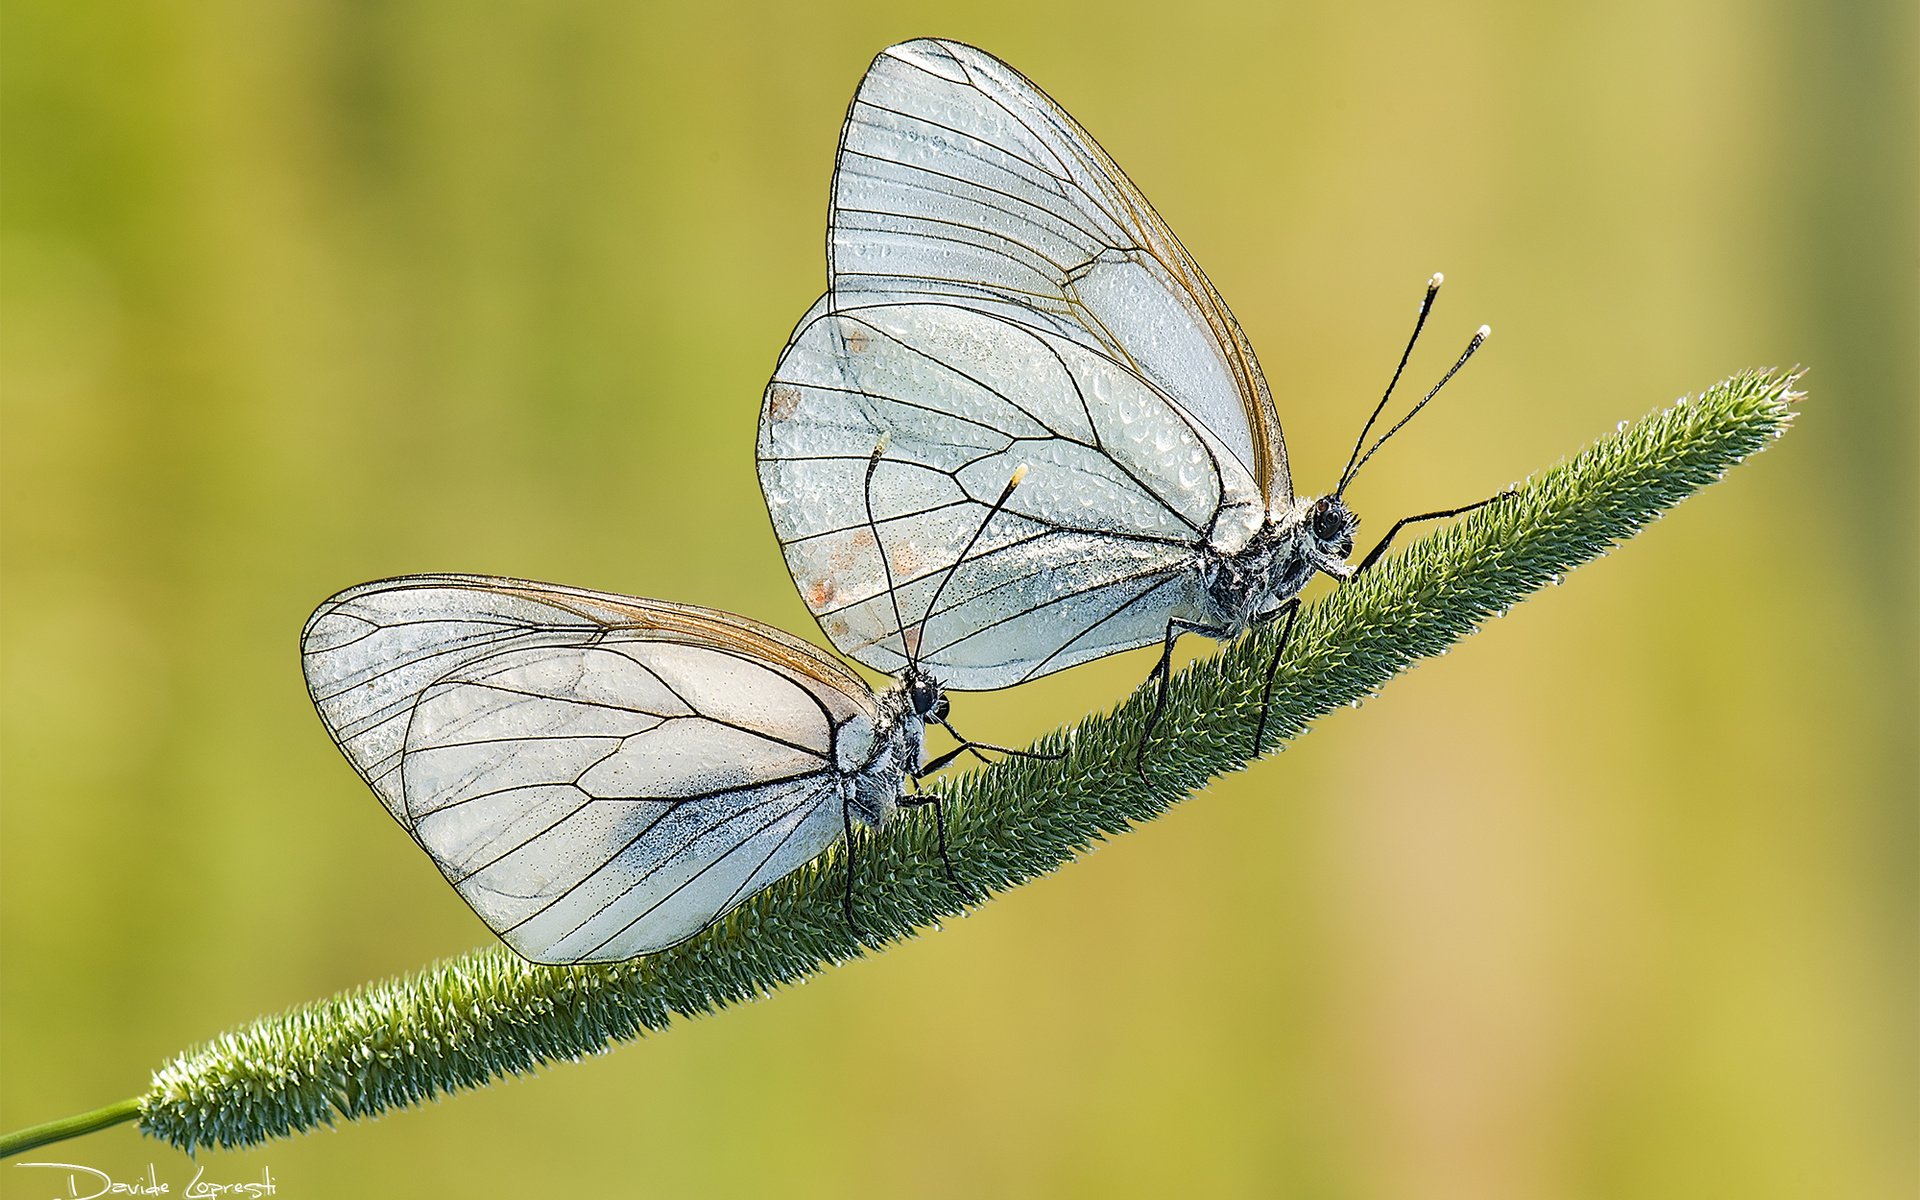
(601, 776)
(1000, 296)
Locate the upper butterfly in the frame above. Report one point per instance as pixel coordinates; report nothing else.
(1001, 296)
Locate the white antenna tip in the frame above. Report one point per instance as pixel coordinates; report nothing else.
(1437, 280)
(1485, 332)
(1019, 473)
(880, 447)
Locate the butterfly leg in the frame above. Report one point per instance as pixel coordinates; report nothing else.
(940, 762)
(969, 746)
(918, 800)
(974, 748)
(1292, 610)
(1374, 554)
(846, 897)
(1163, 670)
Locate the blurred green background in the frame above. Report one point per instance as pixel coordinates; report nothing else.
(1619, 899)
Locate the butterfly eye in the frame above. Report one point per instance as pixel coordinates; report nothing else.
(927, 698)
(1329, 524)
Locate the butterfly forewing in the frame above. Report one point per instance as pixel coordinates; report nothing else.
(959, 179)
(598, 776)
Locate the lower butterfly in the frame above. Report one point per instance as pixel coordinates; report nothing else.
(601, 776)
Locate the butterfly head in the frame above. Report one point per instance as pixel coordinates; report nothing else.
(878, 768)
(925, 697)
(1313, 537)
(1330, 526)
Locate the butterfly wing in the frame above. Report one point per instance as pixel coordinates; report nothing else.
(1002, 296)
(1090, 554)
(598, 776)
(959, 179)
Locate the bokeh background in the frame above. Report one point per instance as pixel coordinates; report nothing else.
(1617, 899)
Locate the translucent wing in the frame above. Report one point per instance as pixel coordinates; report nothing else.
(960, 180)
(1089, 556)
(598, 776)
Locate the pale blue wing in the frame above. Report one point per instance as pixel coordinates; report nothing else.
(594, 803)
(958, 179)
(598, 776)
(1090, 555)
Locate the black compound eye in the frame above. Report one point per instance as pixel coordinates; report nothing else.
(927, 698)
(1327, 523)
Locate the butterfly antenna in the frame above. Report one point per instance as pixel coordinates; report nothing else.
(886, 567)
(968, 745)
(1006, 493)
(1479, 339)
(1426, 306)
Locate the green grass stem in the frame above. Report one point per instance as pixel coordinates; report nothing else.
(464, 1022)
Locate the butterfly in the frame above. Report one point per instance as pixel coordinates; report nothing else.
(1001, 297)
(601, 776)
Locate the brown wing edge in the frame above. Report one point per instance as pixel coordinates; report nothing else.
(668, 620)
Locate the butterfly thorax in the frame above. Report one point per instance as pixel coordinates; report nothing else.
(1236, 585)
(874, 778)
(1311, 536)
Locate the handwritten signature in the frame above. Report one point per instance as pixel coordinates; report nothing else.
(199, 1188)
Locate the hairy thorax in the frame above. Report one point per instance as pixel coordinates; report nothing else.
(1253, 581)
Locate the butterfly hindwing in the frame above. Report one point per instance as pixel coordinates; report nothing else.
(1120, 485)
